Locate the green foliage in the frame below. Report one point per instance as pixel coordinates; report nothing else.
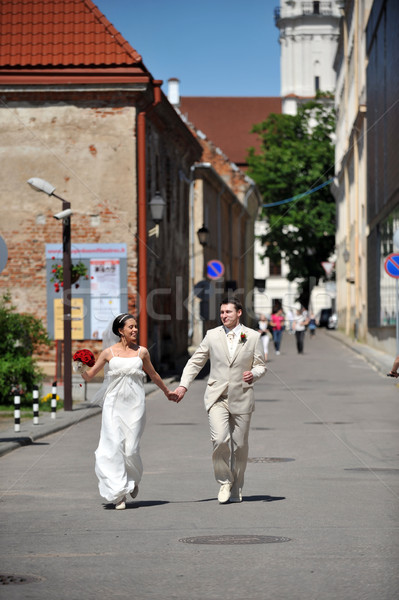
(20, 336)
(297, 154)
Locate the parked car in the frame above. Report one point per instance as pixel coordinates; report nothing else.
(327, 318)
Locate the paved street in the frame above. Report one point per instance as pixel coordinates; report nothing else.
(320, 515)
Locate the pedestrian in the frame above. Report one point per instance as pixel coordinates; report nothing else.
(237, 361)
(312, 325)
(300, 323)
(290, 319)
(277, 322)
(395, 367)
(118, 463)
(265, 335)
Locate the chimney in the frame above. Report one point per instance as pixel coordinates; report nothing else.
(174, 91)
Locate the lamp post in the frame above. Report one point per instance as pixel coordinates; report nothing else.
(41, 185)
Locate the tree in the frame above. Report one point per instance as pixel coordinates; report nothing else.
(20, 337)
(297, 154)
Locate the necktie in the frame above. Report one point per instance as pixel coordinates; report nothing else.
(230, 342)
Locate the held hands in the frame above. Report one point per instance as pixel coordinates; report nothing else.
(172, 396)
(179, 393)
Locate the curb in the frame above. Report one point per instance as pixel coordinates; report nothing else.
(10, 440)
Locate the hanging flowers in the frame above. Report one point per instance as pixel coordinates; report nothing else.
(77, 270)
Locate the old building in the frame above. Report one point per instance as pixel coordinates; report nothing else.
(79, 108)
(367, 189)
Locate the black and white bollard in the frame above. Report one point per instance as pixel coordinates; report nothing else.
(54, 400)
(35, 405)
(17, 413)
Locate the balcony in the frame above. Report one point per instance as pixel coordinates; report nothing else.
(316, 7)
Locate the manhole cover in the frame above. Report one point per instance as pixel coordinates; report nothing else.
(17, 579)
(329, 423)
(266, 459)
(234, 540)
(370, 470)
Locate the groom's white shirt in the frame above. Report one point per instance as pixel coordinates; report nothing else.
(226, 374)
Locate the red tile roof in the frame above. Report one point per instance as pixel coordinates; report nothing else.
(60, 33)
(227, 121)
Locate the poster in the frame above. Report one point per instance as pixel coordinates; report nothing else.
(104, 293)
(77, 315)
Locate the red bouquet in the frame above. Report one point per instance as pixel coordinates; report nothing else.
(83, 359)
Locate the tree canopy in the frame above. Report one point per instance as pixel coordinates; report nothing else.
(297, 154)
(20, 336)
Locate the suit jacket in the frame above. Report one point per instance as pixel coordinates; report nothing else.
(225, 378)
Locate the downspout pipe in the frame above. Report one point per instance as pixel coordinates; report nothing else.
(142, 213)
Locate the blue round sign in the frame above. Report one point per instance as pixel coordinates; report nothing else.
(215, 269)
(391, 265)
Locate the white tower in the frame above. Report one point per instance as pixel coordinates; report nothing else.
(309, 32)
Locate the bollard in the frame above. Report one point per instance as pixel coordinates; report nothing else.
(35, 405)
(54, 400)
(17, 413)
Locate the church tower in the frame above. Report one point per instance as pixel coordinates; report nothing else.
(309, 32)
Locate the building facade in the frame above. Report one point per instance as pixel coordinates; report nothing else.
(367, 179)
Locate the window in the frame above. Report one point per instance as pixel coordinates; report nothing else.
(317, 83)
(275, 267)
(316, 8)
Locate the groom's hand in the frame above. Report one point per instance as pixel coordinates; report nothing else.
(180, 391)
(248, 376)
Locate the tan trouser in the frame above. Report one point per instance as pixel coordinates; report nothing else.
(229, 435)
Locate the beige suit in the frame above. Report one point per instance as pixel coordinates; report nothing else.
(228, 399)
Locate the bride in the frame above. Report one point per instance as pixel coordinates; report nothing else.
(118, 464)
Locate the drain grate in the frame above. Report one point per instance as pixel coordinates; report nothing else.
(234, 540)
(18, 579)
(267, 459)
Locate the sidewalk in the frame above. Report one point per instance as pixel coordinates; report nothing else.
(29, 433)
(9, 440)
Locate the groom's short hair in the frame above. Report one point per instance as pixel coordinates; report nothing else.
(232, 300)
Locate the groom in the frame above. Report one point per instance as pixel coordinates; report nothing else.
(237, 361)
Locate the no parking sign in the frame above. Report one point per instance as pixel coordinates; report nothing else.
(215, 269)
(391, 265)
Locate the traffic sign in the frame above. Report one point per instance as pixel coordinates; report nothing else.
(391, 265)
(215, 269)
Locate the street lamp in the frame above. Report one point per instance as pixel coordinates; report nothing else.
(157, 207)
(40, 185)
(203, 236)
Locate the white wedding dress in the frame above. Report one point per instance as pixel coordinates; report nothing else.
(118, 463)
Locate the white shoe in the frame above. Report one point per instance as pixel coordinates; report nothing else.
(121, 505)
(224, 493)
(278, 352)
(135, 491)
(236, 497)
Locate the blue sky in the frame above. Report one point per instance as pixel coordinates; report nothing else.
(215, 47)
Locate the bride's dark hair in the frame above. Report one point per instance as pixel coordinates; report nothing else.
(120, 321)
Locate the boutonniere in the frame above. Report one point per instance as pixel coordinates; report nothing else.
(243, 338)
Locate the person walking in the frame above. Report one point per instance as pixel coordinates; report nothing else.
(263, 329)
(277, 322)
(237, 361)
(312, 326)
(118, 463)
(300, 323)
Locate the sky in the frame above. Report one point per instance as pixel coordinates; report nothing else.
(214, 47)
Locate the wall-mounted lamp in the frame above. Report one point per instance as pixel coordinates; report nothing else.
(203, 236)
(157, 208)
